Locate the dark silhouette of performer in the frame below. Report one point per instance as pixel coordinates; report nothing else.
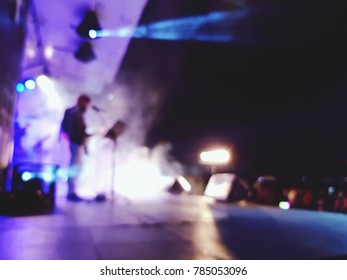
(73, 126)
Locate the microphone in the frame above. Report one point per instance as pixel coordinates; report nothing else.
(97, 109)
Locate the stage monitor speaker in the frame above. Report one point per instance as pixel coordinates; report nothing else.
(176, 188)
(198, 183)
(226, 187)
(34, 183)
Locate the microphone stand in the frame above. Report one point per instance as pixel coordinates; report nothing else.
(113, 168)
(113, 134)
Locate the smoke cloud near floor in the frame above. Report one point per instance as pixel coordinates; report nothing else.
(125, 166)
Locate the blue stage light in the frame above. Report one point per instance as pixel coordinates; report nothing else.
(48, 177)
(218, 26)
(26, 176)
(92, 34)
(20, 87)
(30, 84)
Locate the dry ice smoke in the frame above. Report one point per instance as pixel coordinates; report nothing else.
(137, 170)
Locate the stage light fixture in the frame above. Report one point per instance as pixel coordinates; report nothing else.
(89, 23)
(41, 80)
(85, 52)
(226, 187)
(30, 84)
(26, 176)
(216, 156)
(48, 177)
(92, 34)
(45, 83)
(20, 87)
(285, 205)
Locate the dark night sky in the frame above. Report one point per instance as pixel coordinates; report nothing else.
(279, 100)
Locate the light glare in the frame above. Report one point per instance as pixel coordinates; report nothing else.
(20, 87)
(30, 84)
(218, 156)
(184, 183)
(92, 34)
(26, 176)
(331, 190)
(285, 205)
(31, 53)
(44, 82)
(48, 177)
(219, 185)
(49, 51)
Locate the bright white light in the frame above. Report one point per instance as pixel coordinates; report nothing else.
(44, 82)
(139, 178)
(184, 183)
(30, 52)
(30, 84)
(110, 96)
(49, 51)
(219, 185)
(331, 190)
(137, 172)
(92, 34)
(26, 176)
(218, 156)
(285, 205)
(48, 177)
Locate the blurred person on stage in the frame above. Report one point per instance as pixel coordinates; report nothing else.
(73, 127)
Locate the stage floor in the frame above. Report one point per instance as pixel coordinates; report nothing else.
(172, 227)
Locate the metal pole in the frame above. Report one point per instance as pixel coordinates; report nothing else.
(113, 169)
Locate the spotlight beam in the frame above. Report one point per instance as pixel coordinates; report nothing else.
(216, 26)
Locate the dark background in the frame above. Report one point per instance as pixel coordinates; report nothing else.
(279, 100)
